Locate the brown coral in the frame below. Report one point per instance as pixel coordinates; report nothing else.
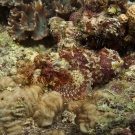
(6, 82)
(28, 21)
(48, 108)
(88, 115)
(22, 103)
(63, 11)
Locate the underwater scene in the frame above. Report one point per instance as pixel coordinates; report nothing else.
(67, 67)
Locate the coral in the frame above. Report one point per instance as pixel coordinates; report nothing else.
(88, 114)
(28, 21)
(103, 112)
(66, 87)
(95, 5)
(6, 82)
(113, 9)
(63, 10)
(57, 26)
(122, 18)
(130, 14)
(88, 117)
(75, 17)
(67, 43)
(25, 69)
(121, 3)
(101, 25)
(111, 27)
(100, 30)
(22, 103)
(130, 19)
(132, 124)
(68, 116)
(48, 108)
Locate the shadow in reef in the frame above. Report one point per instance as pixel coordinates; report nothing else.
(48, 42)
(4, 13)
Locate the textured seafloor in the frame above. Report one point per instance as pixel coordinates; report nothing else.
(111, 106)
(79, 81)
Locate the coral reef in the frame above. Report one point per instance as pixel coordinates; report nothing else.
(96, 5)
(12, 53)
(27, 102)
(32, 21)
(65, 33)
(79, 80)
(29, 19)
(104, 113)
(131, 21)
